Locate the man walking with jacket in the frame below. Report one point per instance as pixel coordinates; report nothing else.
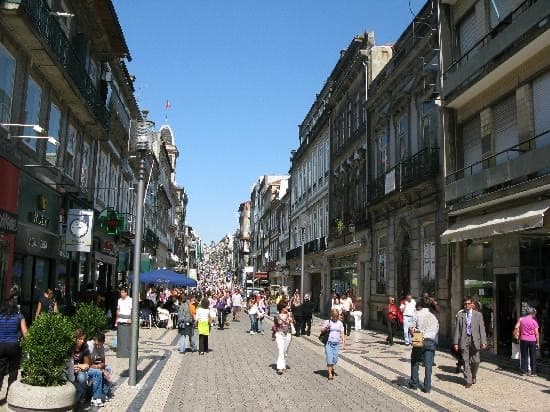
(470, 338)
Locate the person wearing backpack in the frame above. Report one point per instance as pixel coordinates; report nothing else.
(186, 325)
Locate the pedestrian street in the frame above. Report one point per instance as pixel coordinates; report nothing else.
(239, 373)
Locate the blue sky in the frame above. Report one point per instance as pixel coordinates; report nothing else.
(240, 76)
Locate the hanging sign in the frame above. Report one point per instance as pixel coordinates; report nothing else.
(79, 230)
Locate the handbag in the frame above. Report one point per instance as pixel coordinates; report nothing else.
(292, 328)
(323, 337)
(417, 340)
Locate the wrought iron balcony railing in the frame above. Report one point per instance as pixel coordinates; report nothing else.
(408, 172)
(47, 25)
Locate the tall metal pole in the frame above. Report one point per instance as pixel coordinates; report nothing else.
(135, 284)
(302, 269)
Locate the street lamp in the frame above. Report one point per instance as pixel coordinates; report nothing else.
(302, 237)
(36, 127)
(141, 140)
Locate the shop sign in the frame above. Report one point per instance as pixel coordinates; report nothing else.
(111, 222)
(33, 241)
(108, 247)
(38, 217)
(78, 235)
(8, 222)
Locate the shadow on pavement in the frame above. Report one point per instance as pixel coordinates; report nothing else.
(450, 378)
(273, 366)
(321, 372)
(447, 369)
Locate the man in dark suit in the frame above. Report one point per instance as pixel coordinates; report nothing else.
(470, 338)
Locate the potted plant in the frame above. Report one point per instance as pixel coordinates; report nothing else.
(90, 319)
(43, 385)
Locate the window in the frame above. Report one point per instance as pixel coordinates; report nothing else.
(70, 151)
(32, 111)
(541, 109)
(471, 143)
(505, 129)
(499, 10)
(403, 136)
(103, 168)
(113, 186)
(54, 130)
(84, 166)
(428, 257)
(468, 33)
(381, 266)
(382, 147)
(429, 125)
(7, 74)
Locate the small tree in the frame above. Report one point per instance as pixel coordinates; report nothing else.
(90, 319)
(47, 345)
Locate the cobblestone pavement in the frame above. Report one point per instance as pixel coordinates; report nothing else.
(239, 374)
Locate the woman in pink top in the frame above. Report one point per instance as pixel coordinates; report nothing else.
(527, 330)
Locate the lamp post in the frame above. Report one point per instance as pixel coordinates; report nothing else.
(302, 235)
(141, 136)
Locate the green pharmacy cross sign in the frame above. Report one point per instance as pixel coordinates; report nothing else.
(111, 222)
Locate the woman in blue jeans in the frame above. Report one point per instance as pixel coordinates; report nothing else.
(81, 361)
(335, 341)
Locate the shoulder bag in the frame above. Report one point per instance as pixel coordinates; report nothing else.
(323, 337)
(417, 339)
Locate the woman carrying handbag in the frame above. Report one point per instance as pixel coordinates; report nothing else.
(335, 341)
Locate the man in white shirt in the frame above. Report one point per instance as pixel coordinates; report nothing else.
(124, 308)
(408, 308)
(425, 322)
(347, 307)
(236, 300)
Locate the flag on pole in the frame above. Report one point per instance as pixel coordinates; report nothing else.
(167, 105)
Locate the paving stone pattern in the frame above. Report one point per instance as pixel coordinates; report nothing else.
(239, 374)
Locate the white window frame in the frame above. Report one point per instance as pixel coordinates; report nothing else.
(5, 107)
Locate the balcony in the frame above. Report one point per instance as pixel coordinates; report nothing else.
(117, 106)
(59, 47)
(514, 165)
(403, 175)
(525, 29)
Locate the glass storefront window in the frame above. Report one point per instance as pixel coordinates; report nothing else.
(479, 283)
(535, 284)
(343, 275)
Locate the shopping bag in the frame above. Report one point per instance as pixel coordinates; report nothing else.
(515, 351)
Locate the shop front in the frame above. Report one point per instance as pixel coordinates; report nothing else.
(9, 192)
(506, 273)
(343, 275)
(39, 260)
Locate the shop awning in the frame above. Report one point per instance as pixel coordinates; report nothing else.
(531, 216)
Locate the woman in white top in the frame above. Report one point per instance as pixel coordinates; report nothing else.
(203, 322)
(253, 314)
(337, 305)
(262, 308)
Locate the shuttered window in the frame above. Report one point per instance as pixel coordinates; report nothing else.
(468, 33)
(505, 129)
(471, 141)
(541, 109)
(500, 9)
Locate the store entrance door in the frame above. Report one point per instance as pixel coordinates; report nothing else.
(316, 291)
(506, 288)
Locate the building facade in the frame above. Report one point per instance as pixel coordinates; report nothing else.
(63, 77)
(347, 248)
(309, 201)
(404, 193)
(496, 94)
